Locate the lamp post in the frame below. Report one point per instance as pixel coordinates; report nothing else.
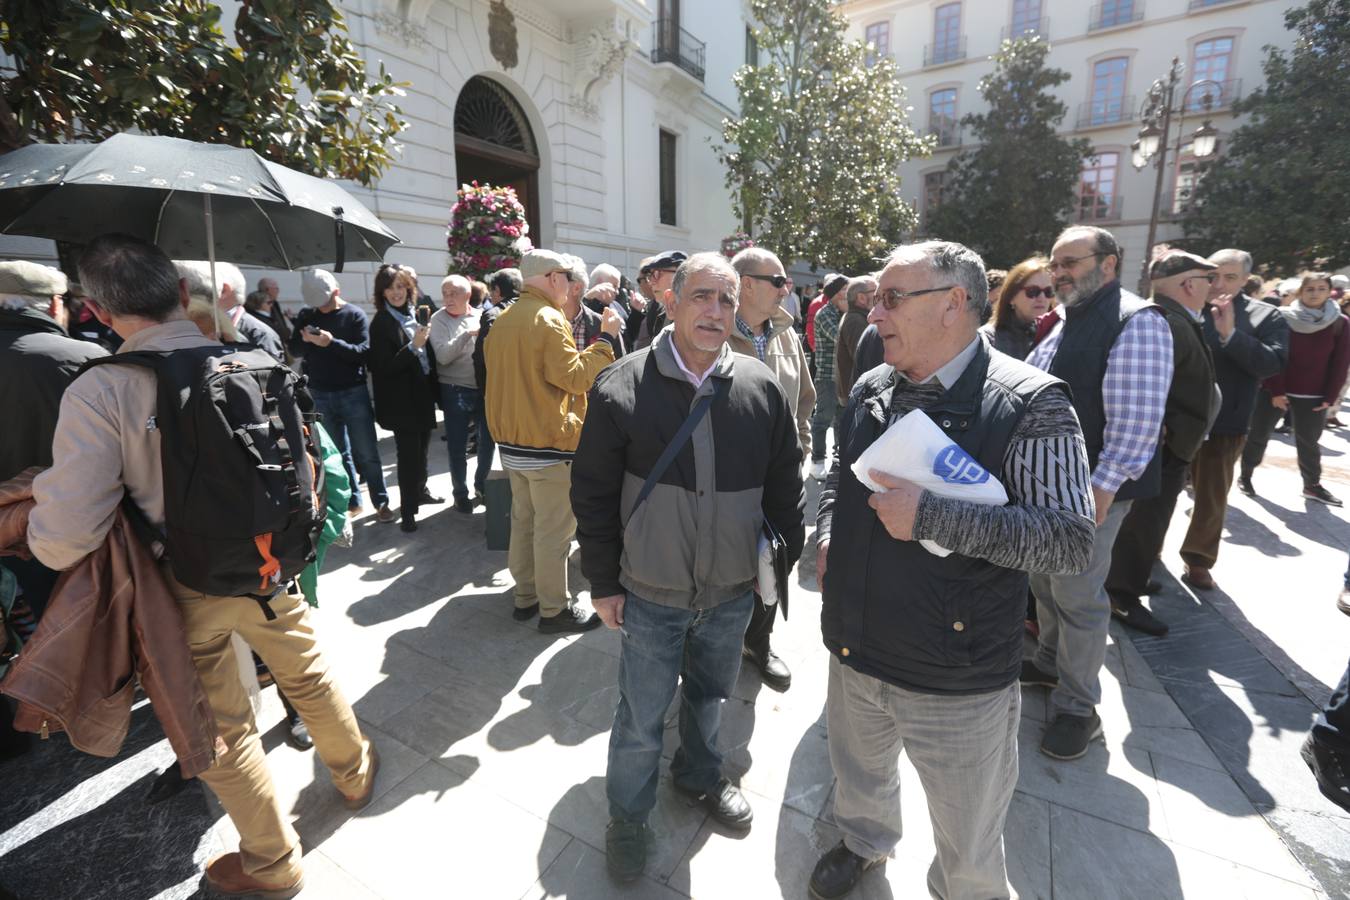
(1152, 143)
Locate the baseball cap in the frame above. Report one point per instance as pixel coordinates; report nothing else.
(317, 286)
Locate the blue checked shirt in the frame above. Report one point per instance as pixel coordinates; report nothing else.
(761, 341)
(1134, 396)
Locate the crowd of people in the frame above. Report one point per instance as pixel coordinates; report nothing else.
(669, 425)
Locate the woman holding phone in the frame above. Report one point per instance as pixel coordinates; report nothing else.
(1027, 293)
(403, 372)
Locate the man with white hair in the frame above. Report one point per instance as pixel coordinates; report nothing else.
(230, 293)
(584, 317)
(454, 328)
(332, 336)
(925, 648)
(1249, 341)
(764, 330)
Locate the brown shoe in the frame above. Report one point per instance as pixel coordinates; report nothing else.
(1198, 577)
(225, 877)
(384, 515)
(363, 800)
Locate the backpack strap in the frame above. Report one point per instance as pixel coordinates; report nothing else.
(678, 441)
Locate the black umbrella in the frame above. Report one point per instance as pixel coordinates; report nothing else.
(196, 201)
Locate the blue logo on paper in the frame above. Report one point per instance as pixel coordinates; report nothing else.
(955, 466)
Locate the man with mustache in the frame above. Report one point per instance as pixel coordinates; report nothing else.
(670, 550)
(1114, 350)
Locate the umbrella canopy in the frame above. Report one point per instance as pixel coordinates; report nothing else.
(158, 189)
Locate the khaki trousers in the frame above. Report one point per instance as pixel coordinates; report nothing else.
(1211, 479)
(542, 528)
(268, 845)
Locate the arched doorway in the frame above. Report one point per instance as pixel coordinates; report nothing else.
(495, 145)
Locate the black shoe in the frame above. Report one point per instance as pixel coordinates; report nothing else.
(1343, 601)
(771, 667)
(408, 524)
(569, 621)
(429, 498)
(1321, 495)
(1245, 485)
(725, 803)
(297, 733)
(479, 499)
(1282, 428)
(625, 849)
(463, 506)
(1068, 736)
(1137, 616)
(525, 613)
(1331, 769)
(1034, 677)
(1153, 587)
(838, 872)
(168, 783)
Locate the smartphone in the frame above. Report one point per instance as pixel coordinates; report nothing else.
(312, 329)
(423, 315)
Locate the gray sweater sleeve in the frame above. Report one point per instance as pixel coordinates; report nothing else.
(1048, 524)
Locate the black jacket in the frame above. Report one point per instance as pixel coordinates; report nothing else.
(1258, 348)
(261, 335)
(891, 609)
(405, 396)
(1190, 399)
(484, 326)
(693, 543)
(37, 362)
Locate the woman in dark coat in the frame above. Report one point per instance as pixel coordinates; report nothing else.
(403, 371)
(1027, 294)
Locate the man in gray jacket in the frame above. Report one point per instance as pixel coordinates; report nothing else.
(671, 551)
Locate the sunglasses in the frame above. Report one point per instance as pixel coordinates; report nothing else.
(1032, 292)
(775, 280)
(890, 298)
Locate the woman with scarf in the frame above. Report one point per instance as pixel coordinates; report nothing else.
(1319, 355)
(403, 372)
(1027, 293)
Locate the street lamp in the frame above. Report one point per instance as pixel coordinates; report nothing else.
(1151, 146)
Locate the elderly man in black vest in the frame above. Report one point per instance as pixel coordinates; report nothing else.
(1181, 283)
(1115, 352)
(926, 648)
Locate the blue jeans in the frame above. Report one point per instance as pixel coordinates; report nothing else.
(350, 421)
(661, 645)
(823, 417)
(464, 405)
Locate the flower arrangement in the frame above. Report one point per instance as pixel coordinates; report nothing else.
(487, 230)
(735, 243)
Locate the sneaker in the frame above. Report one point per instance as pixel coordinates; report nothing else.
(1137, 616)
(1321, 495)
(1245, 485)
(1331, 769)
(819, 470)
(1068, 736)
(384, 515)
(569, 621)
(1034, 677)
(1343, 601)
(625, 849)
(298, 733)
(725, 803)
(525, 613)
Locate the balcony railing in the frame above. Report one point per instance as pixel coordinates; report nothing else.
(672, 44)
(1027, 29)
(1219, 94)
(1099, 209)
(948, 134)
(1106, 111)
(1110, 15)
(946, 52)
(1196, 5)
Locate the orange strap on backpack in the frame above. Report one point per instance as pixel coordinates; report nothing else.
(271, 567)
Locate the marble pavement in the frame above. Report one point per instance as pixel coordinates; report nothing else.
(493, 739)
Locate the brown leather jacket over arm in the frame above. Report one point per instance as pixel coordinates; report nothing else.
(110, 621)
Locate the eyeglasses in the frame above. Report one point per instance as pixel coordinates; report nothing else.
(775, 280)
(1209, 277)
(890, 298)
(1073, 260)
(1032, 292)
(566, 273)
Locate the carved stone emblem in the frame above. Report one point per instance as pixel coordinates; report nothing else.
(502, 39)
(598, 57)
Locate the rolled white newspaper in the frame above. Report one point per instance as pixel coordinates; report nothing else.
(917, 450)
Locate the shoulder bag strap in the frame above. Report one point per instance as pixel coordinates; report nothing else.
(676, 443)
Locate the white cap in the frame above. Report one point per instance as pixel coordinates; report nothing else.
(317, 286)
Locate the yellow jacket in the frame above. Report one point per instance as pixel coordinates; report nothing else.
(536, 395)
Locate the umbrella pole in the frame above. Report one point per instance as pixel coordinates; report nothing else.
(211, 255)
